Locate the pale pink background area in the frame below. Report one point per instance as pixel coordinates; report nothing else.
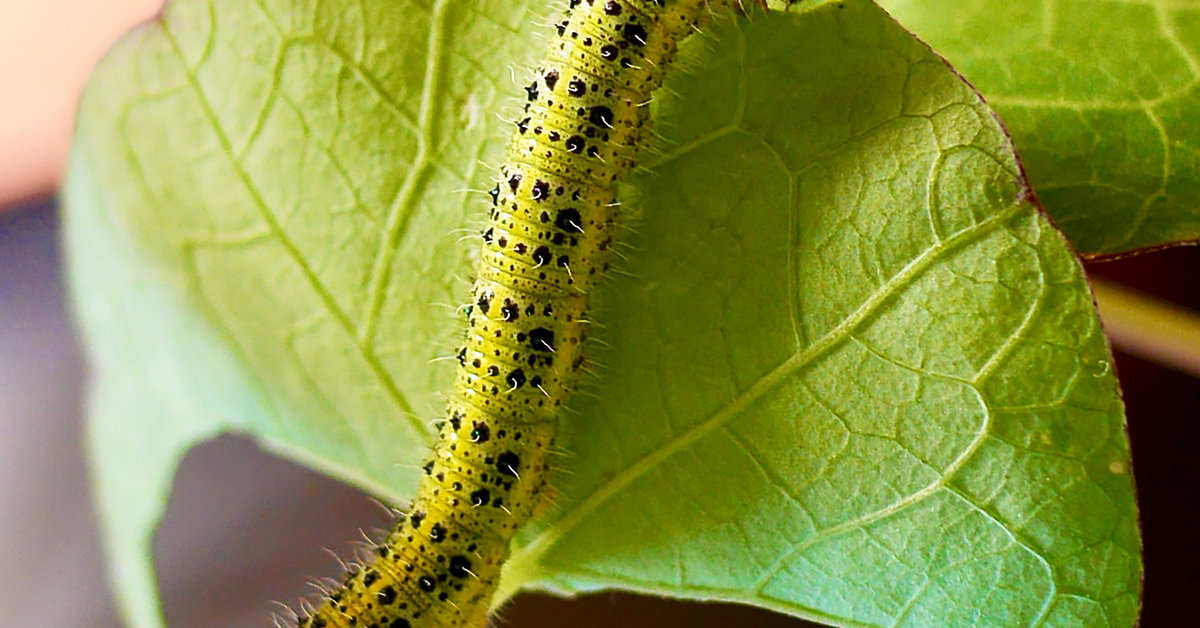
(47, 48)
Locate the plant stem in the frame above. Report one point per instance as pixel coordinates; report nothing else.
(1149, 327)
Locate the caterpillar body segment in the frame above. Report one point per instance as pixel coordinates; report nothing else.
(546, 244)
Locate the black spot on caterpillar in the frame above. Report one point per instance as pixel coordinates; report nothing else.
(545, 246)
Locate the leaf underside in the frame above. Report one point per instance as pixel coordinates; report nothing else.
(851, 373)
(1103, 101)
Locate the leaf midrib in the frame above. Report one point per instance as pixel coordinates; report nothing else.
(392, 390)
(526, 560)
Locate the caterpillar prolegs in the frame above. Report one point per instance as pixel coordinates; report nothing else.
(545, 245)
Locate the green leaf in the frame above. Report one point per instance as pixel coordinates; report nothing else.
(161, 381)
(853, 373)
(1101, 97)
(262, 210)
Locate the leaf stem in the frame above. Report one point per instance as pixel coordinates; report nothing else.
(1149, 327)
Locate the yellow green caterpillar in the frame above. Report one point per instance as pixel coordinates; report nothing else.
(546, 244)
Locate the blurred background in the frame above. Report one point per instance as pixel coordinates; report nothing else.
(230, 543)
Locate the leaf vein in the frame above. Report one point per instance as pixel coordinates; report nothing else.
(401, 210)
(573, 515)
(277, 230)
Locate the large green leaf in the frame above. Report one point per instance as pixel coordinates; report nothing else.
(854, 374)
(262, 201)
(1102, 98)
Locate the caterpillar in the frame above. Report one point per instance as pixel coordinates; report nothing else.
(546, 244)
